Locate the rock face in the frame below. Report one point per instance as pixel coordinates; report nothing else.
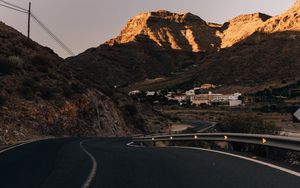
(240, 28)
(170, 30)
(288, 21)
(189, 32)
(243, 26)
(42, 96)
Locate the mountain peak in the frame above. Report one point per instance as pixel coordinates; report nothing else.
(169, 30)
(167, 15)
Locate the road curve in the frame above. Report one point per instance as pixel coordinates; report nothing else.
(109, 163)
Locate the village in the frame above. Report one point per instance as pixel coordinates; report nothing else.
(197, 96)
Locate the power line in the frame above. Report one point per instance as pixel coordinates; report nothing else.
(13, 5)
(12, 8)
(39, 22)
(67, 49)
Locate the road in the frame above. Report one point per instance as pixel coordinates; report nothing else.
(109, 163)
(199, 126)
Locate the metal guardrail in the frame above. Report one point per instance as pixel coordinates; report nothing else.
(283, 142)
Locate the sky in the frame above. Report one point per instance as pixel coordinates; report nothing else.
(82, 24)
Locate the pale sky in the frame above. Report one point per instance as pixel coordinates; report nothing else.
(82, 24)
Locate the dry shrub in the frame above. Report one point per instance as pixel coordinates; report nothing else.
(247, 124)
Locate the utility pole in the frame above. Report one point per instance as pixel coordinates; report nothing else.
(29, 15)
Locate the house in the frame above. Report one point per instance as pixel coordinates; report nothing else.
(235, 96)
(190, 92)
(134, 92)
(210, 98)
(150, 93)
(235, 102)
(208, 86)
(201, 99)
(180, 98)
(220, 98)
(170, 96)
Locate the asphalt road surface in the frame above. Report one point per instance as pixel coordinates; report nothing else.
(109, 163)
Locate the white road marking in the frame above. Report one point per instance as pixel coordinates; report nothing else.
(234, 155)
(93, 171)
(13, 147)
(131, 144)
(246, 158)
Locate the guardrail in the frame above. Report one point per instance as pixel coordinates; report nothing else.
(283, 142)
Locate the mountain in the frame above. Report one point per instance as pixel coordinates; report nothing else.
(42, 96)
(151, 45)
(288, 21)
(256, 51)
(269, 56)
(170, 30)
(240, 27)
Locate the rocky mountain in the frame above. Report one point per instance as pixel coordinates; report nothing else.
(170, 30)
(288, 21)
(42, 96)
(269, 56)
(256, 51)
(124, 64)
(240, 27)
(241, 53)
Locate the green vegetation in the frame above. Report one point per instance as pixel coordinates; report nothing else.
(16, 62)
(10, 65)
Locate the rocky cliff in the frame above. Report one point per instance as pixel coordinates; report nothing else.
(170, 30)
(42, 96)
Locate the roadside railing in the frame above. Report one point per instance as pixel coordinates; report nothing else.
(283, 142)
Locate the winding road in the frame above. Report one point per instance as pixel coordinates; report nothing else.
(110, 163)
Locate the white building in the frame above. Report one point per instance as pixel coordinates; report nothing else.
(190, 92)
(231, 100)
(235, 102)
(134, 92)
(150, 93)
(180, 98)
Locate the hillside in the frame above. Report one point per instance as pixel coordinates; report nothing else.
(124, 64)
(240, 27)
(256, 51)
(267, 57)
(42, 96)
